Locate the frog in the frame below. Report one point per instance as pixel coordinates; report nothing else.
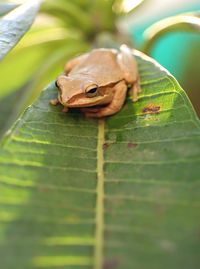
(97, 82)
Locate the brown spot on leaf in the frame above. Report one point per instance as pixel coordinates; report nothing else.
(159, 211)
(132, 145)
(107, 233)
(105, 146)
(151, 109)
(111, 263)
(43, 189)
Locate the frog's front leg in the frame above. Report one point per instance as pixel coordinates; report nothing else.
(55, 102)
(128, 65)
(120, 90)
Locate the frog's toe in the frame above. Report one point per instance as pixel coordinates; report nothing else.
(135, 98)
(65, 109)
(54, 102)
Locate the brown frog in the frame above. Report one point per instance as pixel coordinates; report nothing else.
(97, 82)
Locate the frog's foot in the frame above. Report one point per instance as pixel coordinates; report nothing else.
(135, 90)
(65, 109)
(54, 102)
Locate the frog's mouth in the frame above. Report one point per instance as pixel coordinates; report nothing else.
(84, 101)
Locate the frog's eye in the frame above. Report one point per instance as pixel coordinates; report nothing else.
(91, 91)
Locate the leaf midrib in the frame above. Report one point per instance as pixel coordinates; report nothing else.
(99, 238)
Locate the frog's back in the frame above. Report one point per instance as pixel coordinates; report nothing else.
(102, 66)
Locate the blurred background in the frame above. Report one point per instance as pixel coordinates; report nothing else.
(179, 52)
(65, 28)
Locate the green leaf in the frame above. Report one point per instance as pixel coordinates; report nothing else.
(11, 107)
(14, 25)
(117, 193)
(188, 22)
